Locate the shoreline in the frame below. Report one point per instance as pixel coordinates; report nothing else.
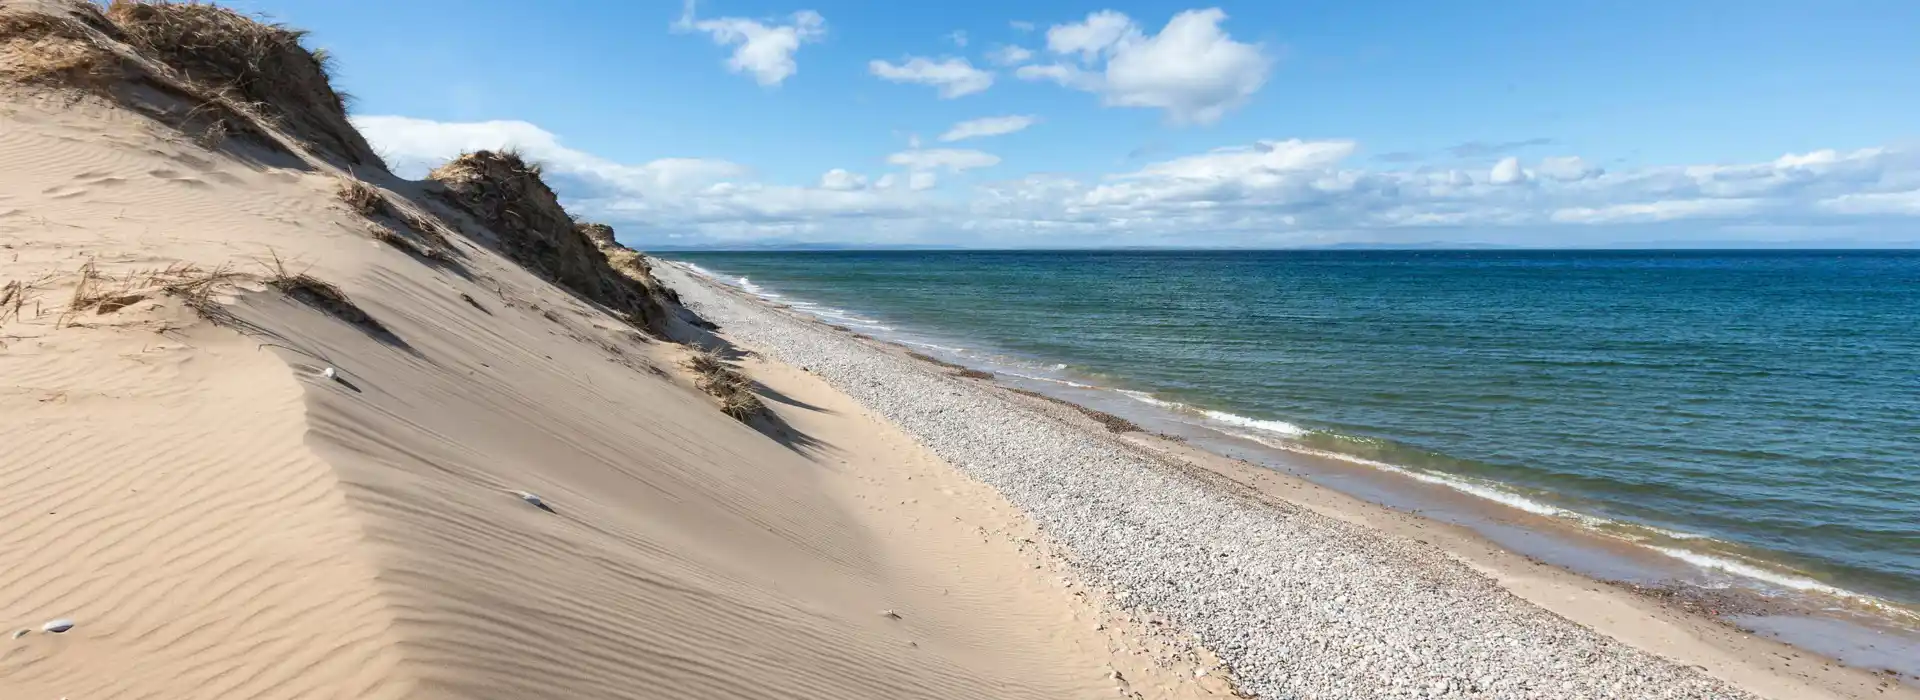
(1666, 628)
(1749, 594)
(1684, 549)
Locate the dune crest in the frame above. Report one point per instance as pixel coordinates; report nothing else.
(274, 416)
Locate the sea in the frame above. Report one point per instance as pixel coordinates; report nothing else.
(1753, 416)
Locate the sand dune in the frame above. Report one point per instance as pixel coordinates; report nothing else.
(221, 519)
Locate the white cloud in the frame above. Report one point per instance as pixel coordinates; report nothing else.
(1565, 169)
(840, 180)
(955, 77)
(1507, 172)
(417, 145)
(950, 159)
(988, 126)
(762, 50)
(1020, 25)
(1065, 74)
(1099, 33)
(1651, 212)
(1275, 192)
(1009, 55)
(1191, 69)
(958, 37)
(1895, 203)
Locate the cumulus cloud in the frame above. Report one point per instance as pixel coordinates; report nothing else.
(762, 50)
(840, 180)
(955, 77)
(1267, 192)
(1507, 172)
(417, 145)
(1009, 55)
(988, 126)
(1191, 69)
(1099, 33)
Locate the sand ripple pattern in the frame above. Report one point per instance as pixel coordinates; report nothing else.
(160, 496)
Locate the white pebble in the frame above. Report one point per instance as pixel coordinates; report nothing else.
(57, 626)
(532, 500)
(330, 373)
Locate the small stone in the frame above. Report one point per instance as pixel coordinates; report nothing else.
(330, 373)
(20, 633)
(890, 614)
(532, 500)
(57, 626)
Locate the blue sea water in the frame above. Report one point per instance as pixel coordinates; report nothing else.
(1756, 410)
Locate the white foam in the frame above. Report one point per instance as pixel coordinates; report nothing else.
(701, 271)
(1740, 568)
(931, 345)
(755, 289)
(1272, 426)
(1146, 398)
(1051, 380)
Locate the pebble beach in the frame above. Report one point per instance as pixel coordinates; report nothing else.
(1295, 604)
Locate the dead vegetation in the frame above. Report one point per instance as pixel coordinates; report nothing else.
(368, 202)
(713, 374)
(929, 359)
(971, 373)
(14, 296)
(319, 294)
(1113, 423)
(360, 197)
(253, 65)
(48, 49)
(507, 195)
(103, 293)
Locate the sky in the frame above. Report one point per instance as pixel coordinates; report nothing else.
(998, 124)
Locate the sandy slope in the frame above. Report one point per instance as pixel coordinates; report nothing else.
(223, 522)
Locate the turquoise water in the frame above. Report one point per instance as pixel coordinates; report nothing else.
(1754, 410)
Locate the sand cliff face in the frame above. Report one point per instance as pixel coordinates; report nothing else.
(270, 415)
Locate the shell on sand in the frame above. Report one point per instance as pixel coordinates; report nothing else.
(57, 626)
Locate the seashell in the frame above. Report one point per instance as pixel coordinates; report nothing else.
(57, 626)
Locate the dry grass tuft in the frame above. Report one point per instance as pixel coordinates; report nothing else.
(362, 198)
(735, 391)
(319, 294)
(105, 293)
(14, 297)
(246, 61)
(44, 49)
(1113, 423)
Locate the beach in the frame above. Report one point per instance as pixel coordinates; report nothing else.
(1332, 599)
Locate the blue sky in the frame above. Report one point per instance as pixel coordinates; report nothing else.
(1154, 123)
